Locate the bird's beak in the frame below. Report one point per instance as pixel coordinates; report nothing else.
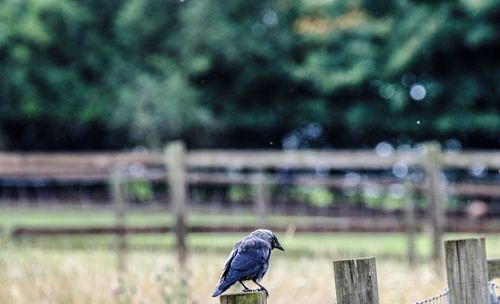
(278, 246)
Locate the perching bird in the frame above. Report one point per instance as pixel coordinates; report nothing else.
(248, 260)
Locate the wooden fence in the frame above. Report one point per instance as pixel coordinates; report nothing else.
(184, 168)
(467, 269)
(432, 160)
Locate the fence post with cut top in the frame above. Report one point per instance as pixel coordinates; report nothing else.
(254, 297)
(467, 272)
(356, 281)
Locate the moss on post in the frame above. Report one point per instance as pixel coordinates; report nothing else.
(254, 297)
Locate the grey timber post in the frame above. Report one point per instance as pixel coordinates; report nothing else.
(434, 193)
(410, 222)
(175, 159)
(467, 272)
(118, 181)
(356, 281)
(254, 297)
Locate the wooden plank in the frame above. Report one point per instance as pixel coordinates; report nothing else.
(434, 193)
(481, 190)
(175, 159)
(76, 176)
(303, 179)
(253, 297)
(30, 231)
(209, 158)
(11, 160)
(341, 159)
(296, 159)
(493, 269)
(467, 159)
(356, 281)
(467, 271)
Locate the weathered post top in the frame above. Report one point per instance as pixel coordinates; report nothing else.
(253, 297)
(467, 271)
(356, 281)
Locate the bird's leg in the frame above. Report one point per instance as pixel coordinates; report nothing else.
(262, 288)
(246, 288)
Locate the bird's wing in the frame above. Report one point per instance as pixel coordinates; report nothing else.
(245, 260)
(229, 260)
(249, 258)
(252, 252)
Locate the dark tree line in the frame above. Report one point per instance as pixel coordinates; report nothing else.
(112, 74)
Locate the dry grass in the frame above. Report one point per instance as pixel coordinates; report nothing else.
(54, 276)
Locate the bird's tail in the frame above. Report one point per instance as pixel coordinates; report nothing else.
(221, 287)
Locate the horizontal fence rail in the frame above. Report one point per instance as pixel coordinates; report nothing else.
(74, 164)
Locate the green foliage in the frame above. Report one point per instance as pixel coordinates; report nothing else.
(156, 108)
(80, 74)
(239, 193)
(321, 197)
(140, 190)
(316, 196)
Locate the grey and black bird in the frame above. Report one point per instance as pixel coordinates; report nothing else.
(248, 261)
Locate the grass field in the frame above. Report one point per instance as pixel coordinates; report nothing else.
(83, 269)
(45, 276)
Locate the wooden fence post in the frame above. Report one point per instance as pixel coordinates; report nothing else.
(119, 201)
(467, 272)
(261, 195)
(434, 193)
(356, 281)
(410, 221)
(118, 193)
(175, 158)
(254, 297)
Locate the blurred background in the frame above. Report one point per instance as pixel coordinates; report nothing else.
(350, 128)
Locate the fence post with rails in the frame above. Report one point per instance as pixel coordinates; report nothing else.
(467, 268)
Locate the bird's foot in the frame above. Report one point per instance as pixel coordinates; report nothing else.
(246, 290)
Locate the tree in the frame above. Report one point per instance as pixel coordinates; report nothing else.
(157, 108)
(112, 74)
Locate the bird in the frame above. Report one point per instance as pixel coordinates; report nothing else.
(248, 261)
